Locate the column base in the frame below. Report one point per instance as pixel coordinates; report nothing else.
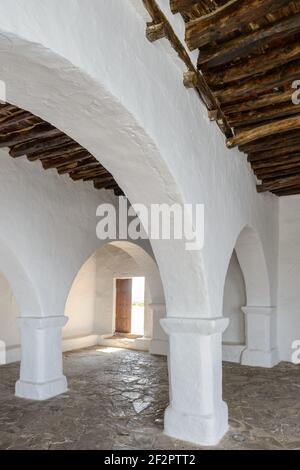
(159, 347)
(202, 430)
(255, 358)
(41, 391)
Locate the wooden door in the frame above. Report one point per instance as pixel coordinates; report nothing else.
(123, 305)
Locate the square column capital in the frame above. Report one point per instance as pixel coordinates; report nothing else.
(201, 326)
(42, 323)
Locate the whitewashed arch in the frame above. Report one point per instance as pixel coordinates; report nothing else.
(20, 282)
(71, 100)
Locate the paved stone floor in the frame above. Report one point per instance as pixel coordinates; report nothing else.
(117, 398)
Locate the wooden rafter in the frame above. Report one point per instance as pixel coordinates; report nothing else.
(249, 56)
(28, 135)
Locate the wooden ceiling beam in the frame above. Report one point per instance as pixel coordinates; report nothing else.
(100, 183)
(266, 114)
(228, 18)
(61, 161)
(244, 45)
(195, 27)
(16, 117)
(289, 170)
(263, 101)
(30, 132)
(179, 6)
(38, 145)
(276, 163)
(82, 164)
(272, 142)
(254, 65)
(61, 150)
(279, 183)
(244, 137)
(287, 192)
(26, 134)
(84, 174)
(280, 77)
(202, 89)
(274, 153)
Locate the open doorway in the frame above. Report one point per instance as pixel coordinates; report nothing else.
(130, 306)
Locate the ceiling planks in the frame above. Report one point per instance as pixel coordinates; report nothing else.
(28, 135)
(249, 56)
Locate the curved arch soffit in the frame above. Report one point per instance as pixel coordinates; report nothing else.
(149, 267)
(143, 259)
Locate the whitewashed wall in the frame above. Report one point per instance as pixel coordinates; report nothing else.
(288, 329)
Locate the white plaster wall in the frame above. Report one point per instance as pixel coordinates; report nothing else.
(234, 300)
(105, 40)
(80, 306)
(288, 328)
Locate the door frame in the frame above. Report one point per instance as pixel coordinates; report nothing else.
(114, 319)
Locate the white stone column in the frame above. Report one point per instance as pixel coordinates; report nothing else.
(160, 343)
(41, 375)
(261, 337)
(196, 412)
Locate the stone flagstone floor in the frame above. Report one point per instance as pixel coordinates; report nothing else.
(116, 400)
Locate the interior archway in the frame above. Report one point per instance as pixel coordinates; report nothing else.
(91, 304)
(251, 335)
(114, 137)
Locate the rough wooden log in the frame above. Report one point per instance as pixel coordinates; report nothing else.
(274, 153)
(242, 46)
(85, 167)
(81, 164)
(283, 76)
(255, 65)
(279, 183)
(243, 137)
(17, 117)
(61, 161)
(38, 145)
(204, 92)
(190, 79)
(30, 132)
(264, 101)
(182, 5)
(287, 192)
(273, 142)
(154, 32)
(288, 170)
(61, 150)
(100, 183)
(266, 114)
(84, 174)
(228, 18)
